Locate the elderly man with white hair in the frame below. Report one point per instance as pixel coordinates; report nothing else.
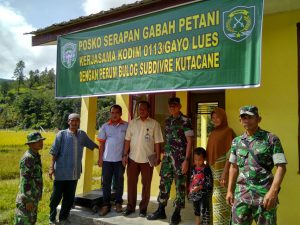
(66, 152)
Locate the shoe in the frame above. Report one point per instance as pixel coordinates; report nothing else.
(52, 222)
(158, 214)
(119, 208)
(176, 218)
(127, 212)
(104, 210)
(143, 213)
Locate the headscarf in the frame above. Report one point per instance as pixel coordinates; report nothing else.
(219, 141)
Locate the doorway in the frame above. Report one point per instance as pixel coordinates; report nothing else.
(201, 106)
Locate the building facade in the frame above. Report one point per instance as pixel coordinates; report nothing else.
(277, 97)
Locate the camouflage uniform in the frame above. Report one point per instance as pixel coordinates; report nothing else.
(255, 157)
(176, 131)
(31, 187)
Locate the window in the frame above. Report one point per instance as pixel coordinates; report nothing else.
(201, 105)
(203, 122)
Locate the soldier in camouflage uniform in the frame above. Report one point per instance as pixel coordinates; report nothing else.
(175, 162)
(31, 181)
(253, 156)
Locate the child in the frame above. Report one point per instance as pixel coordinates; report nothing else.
(201, 187)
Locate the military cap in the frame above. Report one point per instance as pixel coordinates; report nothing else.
(249, 110)
(34, 137)
(174, 100)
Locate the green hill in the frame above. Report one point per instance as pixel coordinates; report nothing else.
(5, 80)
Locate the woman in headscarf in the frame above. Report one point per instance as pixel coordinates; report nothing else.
(218, 145)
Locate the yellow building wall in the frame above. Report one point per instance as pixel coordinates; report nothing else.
(277, 100)
(87, 123)
(123, 101)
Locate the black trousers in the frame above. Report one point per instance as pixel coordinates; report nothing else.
(62, 190)
(202, 208)
(110, 170)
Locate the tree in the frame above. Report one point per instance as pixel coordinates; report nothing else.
(19, 73)
(30, 80)
(4, 88)
(37, 76)
(62, 109)
(47, 78)
(33, 78)
(8, 117)
(104, 104)
(35, 110)
(43, 76)
(50, 78)
(38, 107)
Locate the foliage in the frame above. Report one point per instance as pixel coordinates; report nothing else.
(49, 78)
(8, 117)
(4, 88)
(34, 106)
(104, 104)
(33, 79)
(62, 109)
(19, 73)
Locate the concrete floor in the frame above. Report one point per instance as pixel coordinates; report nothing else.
(85, 216)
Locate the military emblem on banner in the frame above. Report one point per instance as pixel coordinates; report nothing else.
(68, 54)
(239, 22)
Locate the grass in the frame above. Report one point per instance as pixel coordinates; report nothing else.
(11, 150)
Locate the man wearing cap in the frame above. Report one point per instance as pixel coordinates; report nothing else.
(67, 151)
(253, 156)
(175, 162)
(31, 181)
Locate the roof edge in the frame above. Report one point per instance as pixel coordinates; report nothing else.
(91, 17)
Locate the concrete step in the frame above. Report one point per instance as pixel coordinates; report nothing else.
(85, 216)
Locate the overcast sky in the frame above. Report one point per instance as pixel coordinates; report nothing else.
(20, 16)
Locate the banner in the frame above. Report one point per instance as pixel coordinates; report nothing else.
(201, 45)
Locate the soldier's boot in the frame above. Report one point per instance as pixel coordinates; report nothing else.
(176, 218)
(160, 213)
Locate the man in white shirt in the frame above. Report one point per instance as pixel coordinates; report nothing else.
(143, 138)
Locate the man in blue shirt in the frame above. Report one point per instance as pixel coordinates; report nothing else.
(111, 138)
(66, 152)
